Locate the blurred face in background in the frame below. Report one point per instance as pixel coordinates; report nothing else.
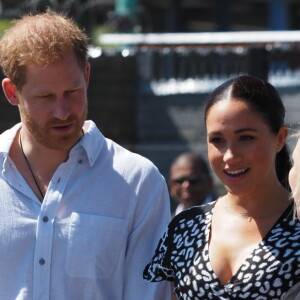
(189, 184)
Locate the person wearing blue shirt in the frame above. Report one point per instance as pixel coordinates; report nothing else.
(80, 215)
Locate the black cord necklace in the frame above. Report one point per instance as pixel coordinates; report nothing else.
(29, 167)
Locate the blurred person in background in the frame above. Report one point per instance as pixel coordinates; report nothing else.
(190, 183)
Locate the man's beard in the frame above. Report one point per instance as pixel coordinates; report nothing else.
(44, 136)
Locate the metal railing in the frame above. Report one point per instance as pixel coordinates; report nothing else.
(180, 63)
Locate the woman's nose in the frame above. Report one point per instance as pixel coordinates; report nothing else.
(230, 154)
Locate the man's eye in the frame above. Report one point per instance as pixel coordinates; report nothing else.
(73, 91)
(44, 96)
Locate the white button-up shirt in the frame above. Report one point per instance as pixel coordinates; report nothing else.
(98, 225)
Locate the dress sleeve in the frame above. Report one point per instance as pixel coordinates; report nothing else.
(159, 267)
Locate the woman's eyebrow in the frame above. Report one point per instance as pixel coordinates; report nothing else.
(245, 129)
(241, 130)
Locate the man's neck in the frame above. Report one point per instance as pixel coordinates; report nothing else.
(37, 164)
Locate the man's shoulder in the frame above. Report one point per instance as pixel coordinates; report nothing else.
(113, 149)
(132, 166)
(127, 155)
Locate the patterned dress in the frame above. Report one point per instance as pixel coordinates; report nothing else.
(182, 256)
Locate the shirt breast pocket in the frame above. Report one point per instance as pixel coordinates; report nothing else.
(95, 244)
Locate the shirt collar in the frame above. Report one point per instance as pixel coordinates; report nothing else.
(7, 138)
(92, 141)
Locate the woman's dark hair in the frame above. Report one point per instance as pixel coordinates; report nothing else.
(265, 100)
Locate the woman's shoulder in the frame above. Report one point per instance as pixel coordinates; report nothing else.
(200, 212)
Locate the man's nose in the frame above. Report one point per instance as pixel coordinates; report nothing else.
(61, 109)
(186, 183)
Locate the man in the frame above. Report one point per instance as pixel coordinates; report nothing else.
(80, 216)
(190, 183)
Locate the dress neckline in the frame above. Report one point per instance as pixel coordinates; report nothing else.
(232, 281)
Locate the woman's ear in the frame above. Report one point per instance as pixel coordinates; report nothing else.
(10, 91)
(282, 136)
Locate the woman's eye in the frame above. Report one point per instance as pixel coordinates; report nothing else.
(216, 140)
(246, 138)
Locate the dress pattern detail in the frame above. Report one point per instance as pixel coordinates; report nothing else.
(267, 273)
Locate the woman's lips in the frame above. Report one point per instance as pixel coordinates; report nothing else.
(236, 173)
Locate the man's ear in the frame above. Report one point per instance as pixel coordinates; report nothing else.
(87, 72)
(10, 91)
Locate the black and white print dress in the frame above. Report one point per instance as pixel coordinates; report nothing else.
(182, 256)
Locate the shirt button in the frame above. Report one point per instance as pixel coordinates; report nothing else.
(41, 261)
(80, 161)
(45, 219)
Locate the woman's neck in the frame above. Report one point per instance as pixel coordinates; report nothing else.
(267, 202)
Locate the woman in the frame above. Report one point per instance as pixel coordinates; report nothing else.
(245, 244)
(294, 179)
